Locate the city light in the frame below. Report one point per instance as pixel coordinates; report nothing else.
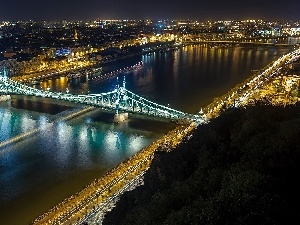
(78, 51)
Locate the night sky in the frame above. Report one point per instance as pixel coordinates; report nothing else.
(150, 9)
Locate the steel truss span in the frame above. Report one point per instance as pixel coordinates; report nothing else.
(118, 100)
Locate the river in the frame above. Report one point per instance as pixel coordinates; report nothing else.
(54, 159)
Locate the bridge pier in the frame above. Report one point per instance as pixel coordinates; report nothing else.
(120, 117)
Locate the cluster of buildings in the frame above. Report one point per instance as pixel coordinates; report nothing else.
(30, 46)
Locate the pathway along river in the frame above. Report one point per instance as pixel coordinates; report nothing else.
(45, 167)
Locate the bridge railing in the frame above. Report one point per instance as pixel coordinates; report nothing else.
(118, 99)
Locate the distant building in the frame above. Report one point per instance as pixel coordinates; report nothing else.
(75, 35)
(9, 53)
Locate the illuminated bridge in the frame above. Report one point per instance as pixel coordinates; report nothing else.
(119, 100)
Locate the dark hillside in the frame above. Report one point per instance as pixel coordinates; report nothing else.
(241, 168)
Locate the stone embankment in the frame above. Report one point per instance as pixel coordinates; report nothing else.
(82, 205)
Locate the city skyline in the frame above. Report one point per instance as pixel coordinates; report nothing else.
(116, 9)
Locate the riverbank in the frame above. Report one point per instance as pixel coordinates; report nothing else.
(93, 69)
(173, 178)
(75, 208)
(238, 169)
(218, 108)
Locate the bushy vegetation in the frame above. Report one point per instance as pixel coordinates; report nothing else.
(241, 168)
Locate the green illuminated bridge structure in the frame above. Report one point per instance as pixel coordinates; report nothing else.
(119, 100)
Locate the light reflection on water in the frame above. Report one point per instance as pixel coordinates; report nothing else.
(58, 151)
(61, 157)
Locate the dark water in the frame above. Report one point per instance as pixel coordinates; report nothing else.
(55, 159)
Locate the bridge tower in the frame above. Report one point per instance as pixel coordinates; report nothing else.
(120, 117)
(3, 77)
(4, 72)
